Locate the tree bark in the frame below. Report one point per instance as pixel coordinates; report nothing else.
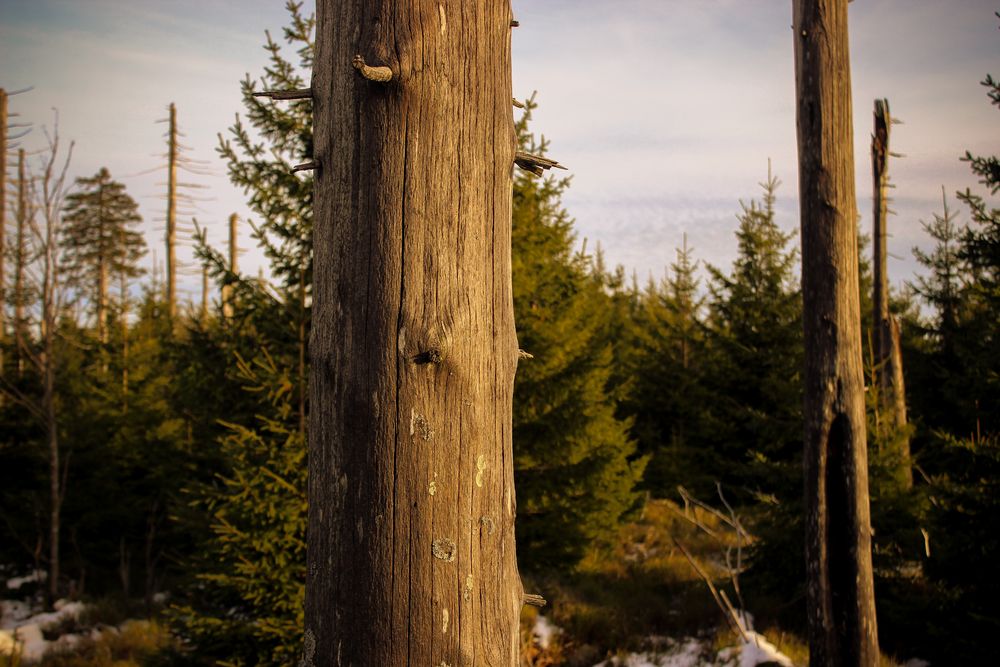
(411, 557)
(20, 260)
(841, 607)
(49, 320)
(888, 355)
(227, 290)
(171, 236)
(3, 230)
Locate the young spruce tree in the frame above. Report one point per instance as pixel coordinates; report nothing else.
(100, 240)
(574, 476)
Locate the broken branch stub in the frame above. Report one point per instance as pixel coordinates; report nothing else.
(305, 166)
(533, 600)
(376, 74)
(536, 164)
(301, 94)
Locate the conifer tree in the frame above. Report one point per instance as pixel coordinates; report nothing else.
(754, 333)
(262, 163)
(666, 396)
(571, 454)
(99, 240)
(750, 429)
(247, 609)
(980, 248)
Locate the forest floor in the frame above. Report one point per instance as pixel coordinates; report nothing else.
(641, 601)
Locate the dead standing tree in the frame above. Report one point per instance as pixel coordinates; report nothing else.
(888, 358)
(411, 557)
(841, 606)
(49, 290)
(3, 226)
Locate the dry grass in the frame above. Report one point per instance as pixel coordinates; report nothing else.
(126, 646)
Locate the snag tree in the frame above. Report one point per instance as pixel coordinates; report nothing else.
(411, 557)
(841, 605)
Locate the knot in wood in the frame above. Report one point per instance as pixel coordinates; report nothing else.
(431, 356)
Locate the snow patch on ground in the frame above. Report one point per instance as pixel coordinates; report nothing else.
(544, 631)
(38, 576)
(691, 652)
(682, 654)
(21, 631)
(755, 650)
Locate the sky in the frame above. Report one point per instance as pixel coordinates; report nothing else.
(666, 112)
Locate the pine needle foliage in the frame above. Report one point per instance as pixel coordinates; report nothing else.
(100, 235)
(248, 608)
(572, 456)
(666, 346)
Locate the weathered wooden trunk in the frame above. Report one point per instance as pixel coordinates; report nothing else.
(841, 607)
(411, 556)
(888, 356)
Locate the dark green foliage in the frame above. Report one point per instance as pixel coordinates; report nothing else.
(665, 347)
(752, 438)
(964, 543)
(936, 347)
(573, 476)
(954, 389)
(247, 609)
(99, 233)
(263, 169)
(754, 333)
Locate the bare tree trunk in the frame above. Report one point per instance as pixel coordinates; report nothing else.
(123, 289)
(888, 368)
(49, 316)
(204, 294)
(302, 345)
(151, 556)
(124, 567)
(227, 291)
(172, 213)
(20, 260)
(841, 606)
(3, 230)
(411, 516)
(102, 301)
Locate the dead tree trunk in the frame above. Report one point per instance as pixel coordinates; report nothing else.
(123, 323)
(3, 228)
(888, 368)
(411, 515)
(204, 293)
(21, 261)
(227, 290)
(841, 606)
(171, 235)
(102, 275)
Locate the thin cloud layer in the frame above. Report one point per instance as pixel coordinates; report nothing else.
(666, 111)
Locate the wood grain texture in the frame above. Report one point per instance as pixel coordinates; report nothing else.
(841, 608)
(411, 556)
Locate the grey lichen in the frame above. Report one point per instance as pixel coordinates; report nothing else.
(444, 549)
(420, 426)
(308, 650)
(480, 469)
